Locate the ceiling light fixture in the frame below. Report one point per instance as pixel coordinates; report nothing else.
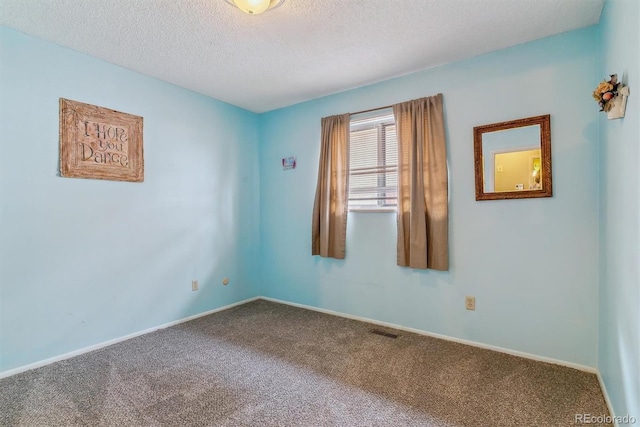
(255, 7)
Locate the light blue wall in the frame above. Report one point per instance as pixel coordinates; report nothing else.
(619, 157)
(85, 261)
(532, 264)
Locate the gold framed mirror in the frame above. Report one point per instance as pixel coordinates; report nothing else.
(513, 159)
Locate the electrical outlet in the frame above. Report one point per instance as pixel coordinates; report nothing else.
(470, 303)
(194, 285)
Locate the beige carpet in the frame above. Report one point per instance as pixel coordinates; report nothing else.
(267, 364)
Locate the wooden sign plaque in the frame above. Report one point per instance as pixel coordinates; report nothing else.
(100, 143)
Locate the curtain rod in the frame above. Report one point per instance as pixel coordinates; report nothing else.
(380, 108)
(371, 109)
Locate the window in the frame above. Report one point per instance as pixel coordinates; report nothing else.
(373, 162)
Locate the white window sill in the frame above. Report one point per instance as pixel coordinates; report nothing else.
(374, 210)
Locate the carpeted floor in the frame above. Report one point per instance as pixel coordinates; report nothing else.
(267, 364)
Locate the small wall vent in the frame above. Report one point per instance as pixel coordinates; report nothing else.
(383, 333)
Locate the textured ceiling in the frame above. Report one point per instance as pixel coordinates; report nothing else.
(302, 50)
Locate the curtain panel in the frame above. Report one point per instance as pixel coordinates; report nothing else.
(423, 218)
(329, 222)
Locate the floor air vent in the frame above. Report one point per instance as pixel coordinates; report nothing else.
(383, 333)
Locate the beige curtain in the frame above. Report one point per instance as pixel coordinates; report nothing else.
(329, 224)
(423, 219)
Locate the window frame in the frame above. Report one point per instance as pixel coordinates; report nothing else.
(379, 120)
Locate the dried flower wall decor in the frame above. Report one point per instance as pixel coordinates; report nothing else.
(605, 92)
(611, 96)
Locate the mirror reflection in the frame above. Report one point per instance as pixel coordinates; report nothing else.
(513, 159)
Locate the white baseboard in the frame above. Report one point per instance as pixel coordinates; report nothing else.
(54, 359)
(606, 398)
(443, 337)
(45, 362)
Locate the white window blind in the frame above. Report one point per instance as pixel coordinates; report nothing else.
(373, 162)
